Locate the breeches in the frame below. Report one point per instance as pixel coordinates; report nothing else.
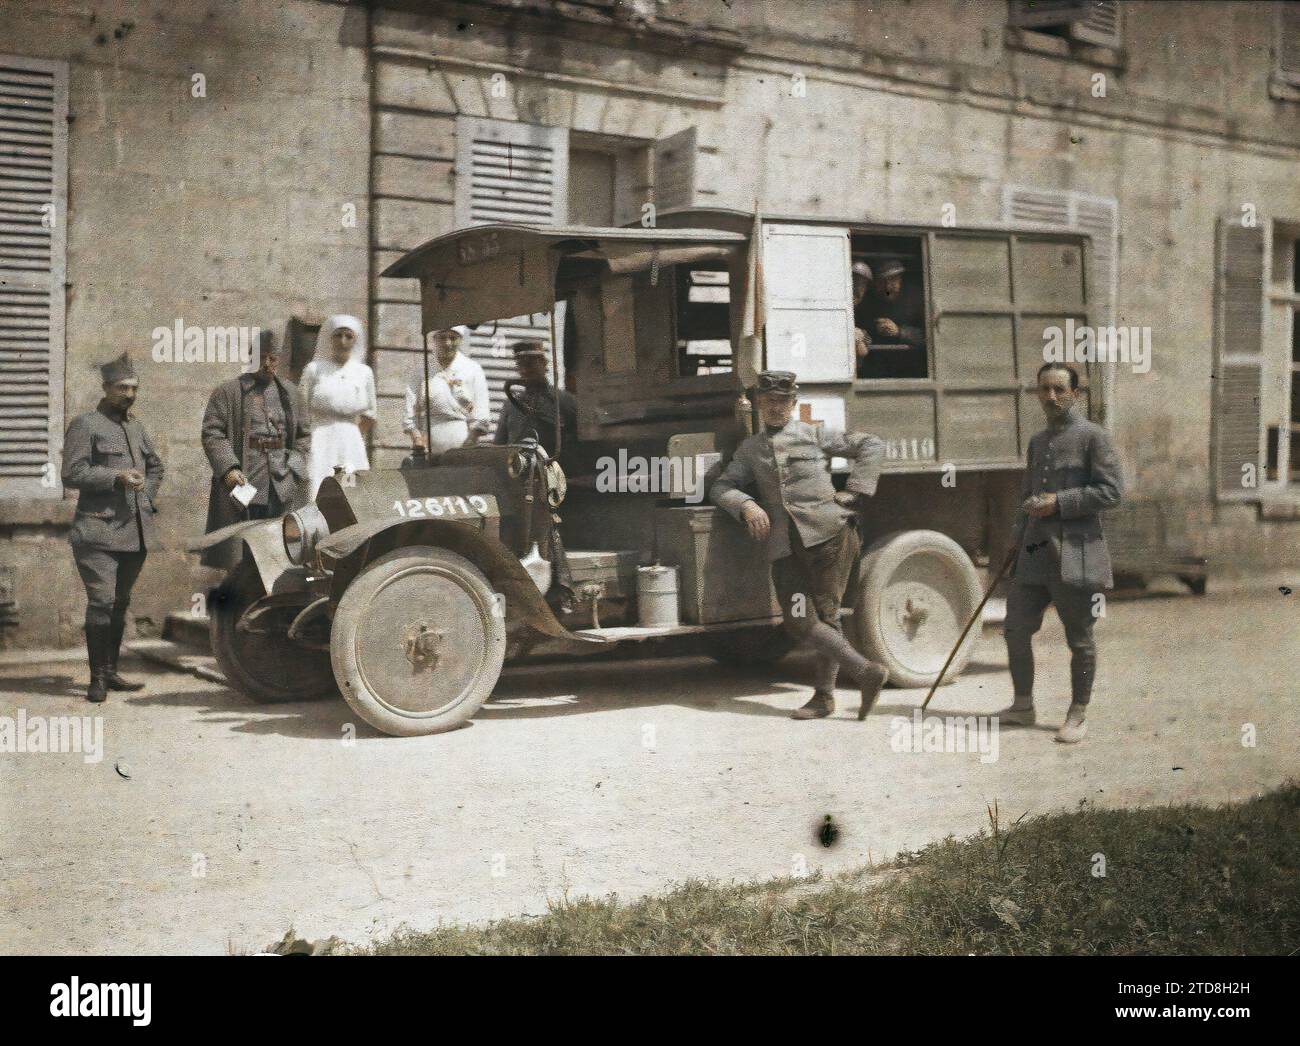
(108, 578)
(1026, 604)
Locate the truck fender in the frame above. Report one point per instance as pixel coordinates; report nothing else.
(358, 544)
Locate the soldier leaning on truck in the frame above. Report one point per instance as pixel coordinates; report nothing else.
(109, 460)
(1072, 475)
(812, 542)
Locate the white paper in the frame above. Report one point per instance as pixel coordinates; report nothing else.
(244, 493)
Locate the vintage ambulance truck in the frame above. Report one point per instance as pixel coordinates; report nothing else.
(408, 589)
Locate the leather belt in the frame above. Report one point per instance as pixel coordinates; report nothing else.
(265, 442)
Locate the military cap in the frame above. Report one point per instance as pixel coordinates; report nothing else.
(892, 267)
(781, 382)
(526, 347)
(118, 370)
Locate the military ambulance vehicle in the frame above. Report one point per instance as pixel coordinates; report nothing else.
(409, 589)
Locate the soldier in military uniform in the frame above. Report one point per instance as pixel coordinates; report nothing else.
(539, 395)
(812, 541)
(255, 431)
(1073, 475)
(110, 461)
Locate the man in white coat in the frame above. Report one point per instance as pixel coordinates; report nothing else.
(456, 396)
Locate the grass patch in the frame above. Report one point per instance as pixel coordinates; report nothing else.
(1179, 880)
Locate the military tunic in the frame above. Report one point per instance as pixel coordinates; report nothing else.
(811, 545)
(1062, 559)
(264, 422)
(791, 469)
(513, 425)
(114, 526)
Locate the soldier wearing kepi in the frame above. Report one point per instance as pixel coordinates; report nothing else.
(110, 461)
(1072, 475)
(812, 542)
(539, 396)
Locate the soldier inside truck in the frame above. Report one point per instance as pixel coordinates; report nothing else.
(889, 307)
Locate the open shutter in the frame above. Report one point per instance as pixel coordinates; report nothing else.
(33, 216)
(1099, 217)
(518, 174)
(1238, 429)
(808, 301)
(1090, 21)
(674, 171)
(1288, 43)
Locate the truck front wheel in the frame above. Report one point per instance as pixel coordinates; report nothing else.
(418, 641)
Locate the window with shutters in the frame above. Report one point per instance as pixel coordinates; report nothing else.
(1069, 28)
(33, 217)
(1281, 351)
(1099, 217)
(1285, 81)
(1237, 426)
(518, 173)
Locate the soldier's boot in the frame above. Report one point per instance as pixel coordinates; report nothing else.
(873, 677)
(819, 706)
(1021, 712)
(830, 642)
(1074, 729)
(117, 627)
(97, 655)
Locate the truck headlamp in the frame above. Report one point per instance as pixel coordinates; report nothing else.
(302, 530)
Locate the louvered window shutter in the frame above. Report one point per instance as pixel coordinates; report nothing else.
(1090, 21)
(1098, 216)
(1288, 42)
(33, 216)
(517, 174)
(1237, 429)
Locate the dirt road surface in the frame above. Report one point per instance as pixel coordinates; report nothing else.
(213, 825)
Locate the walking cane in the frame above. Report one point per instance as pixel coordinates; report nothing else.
(1006, 563)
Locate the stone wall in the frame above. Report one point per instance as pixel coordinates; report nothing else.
(222, 210)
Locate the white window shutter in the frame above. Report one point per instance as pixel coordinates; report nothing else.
(1081, 212)
(1238, 427)
(33, 217)
(1090, 21)
(808, 301)
(674, 171)
(513, 173)
(1100, 25)
(517, 174)
(1097, 215)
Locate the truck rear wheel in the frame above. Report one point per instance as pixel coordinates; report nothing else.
(268, 668)
(418, 641)
(918, 589)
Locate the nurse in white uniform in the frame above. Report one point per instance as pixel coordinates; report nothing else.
(339, 392)
(456, 395)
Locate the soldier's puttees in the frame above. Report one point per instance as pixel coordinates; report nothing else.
(808, 527)
(1072, 476)
(110, 461)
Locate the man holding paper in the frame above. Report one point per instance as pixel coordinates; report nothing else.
(257, 437)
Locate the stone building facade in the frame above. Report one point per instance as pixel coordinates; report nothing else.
(323, 139)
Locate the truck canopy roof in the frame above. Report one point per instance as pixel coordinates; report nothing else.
(486, 272)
